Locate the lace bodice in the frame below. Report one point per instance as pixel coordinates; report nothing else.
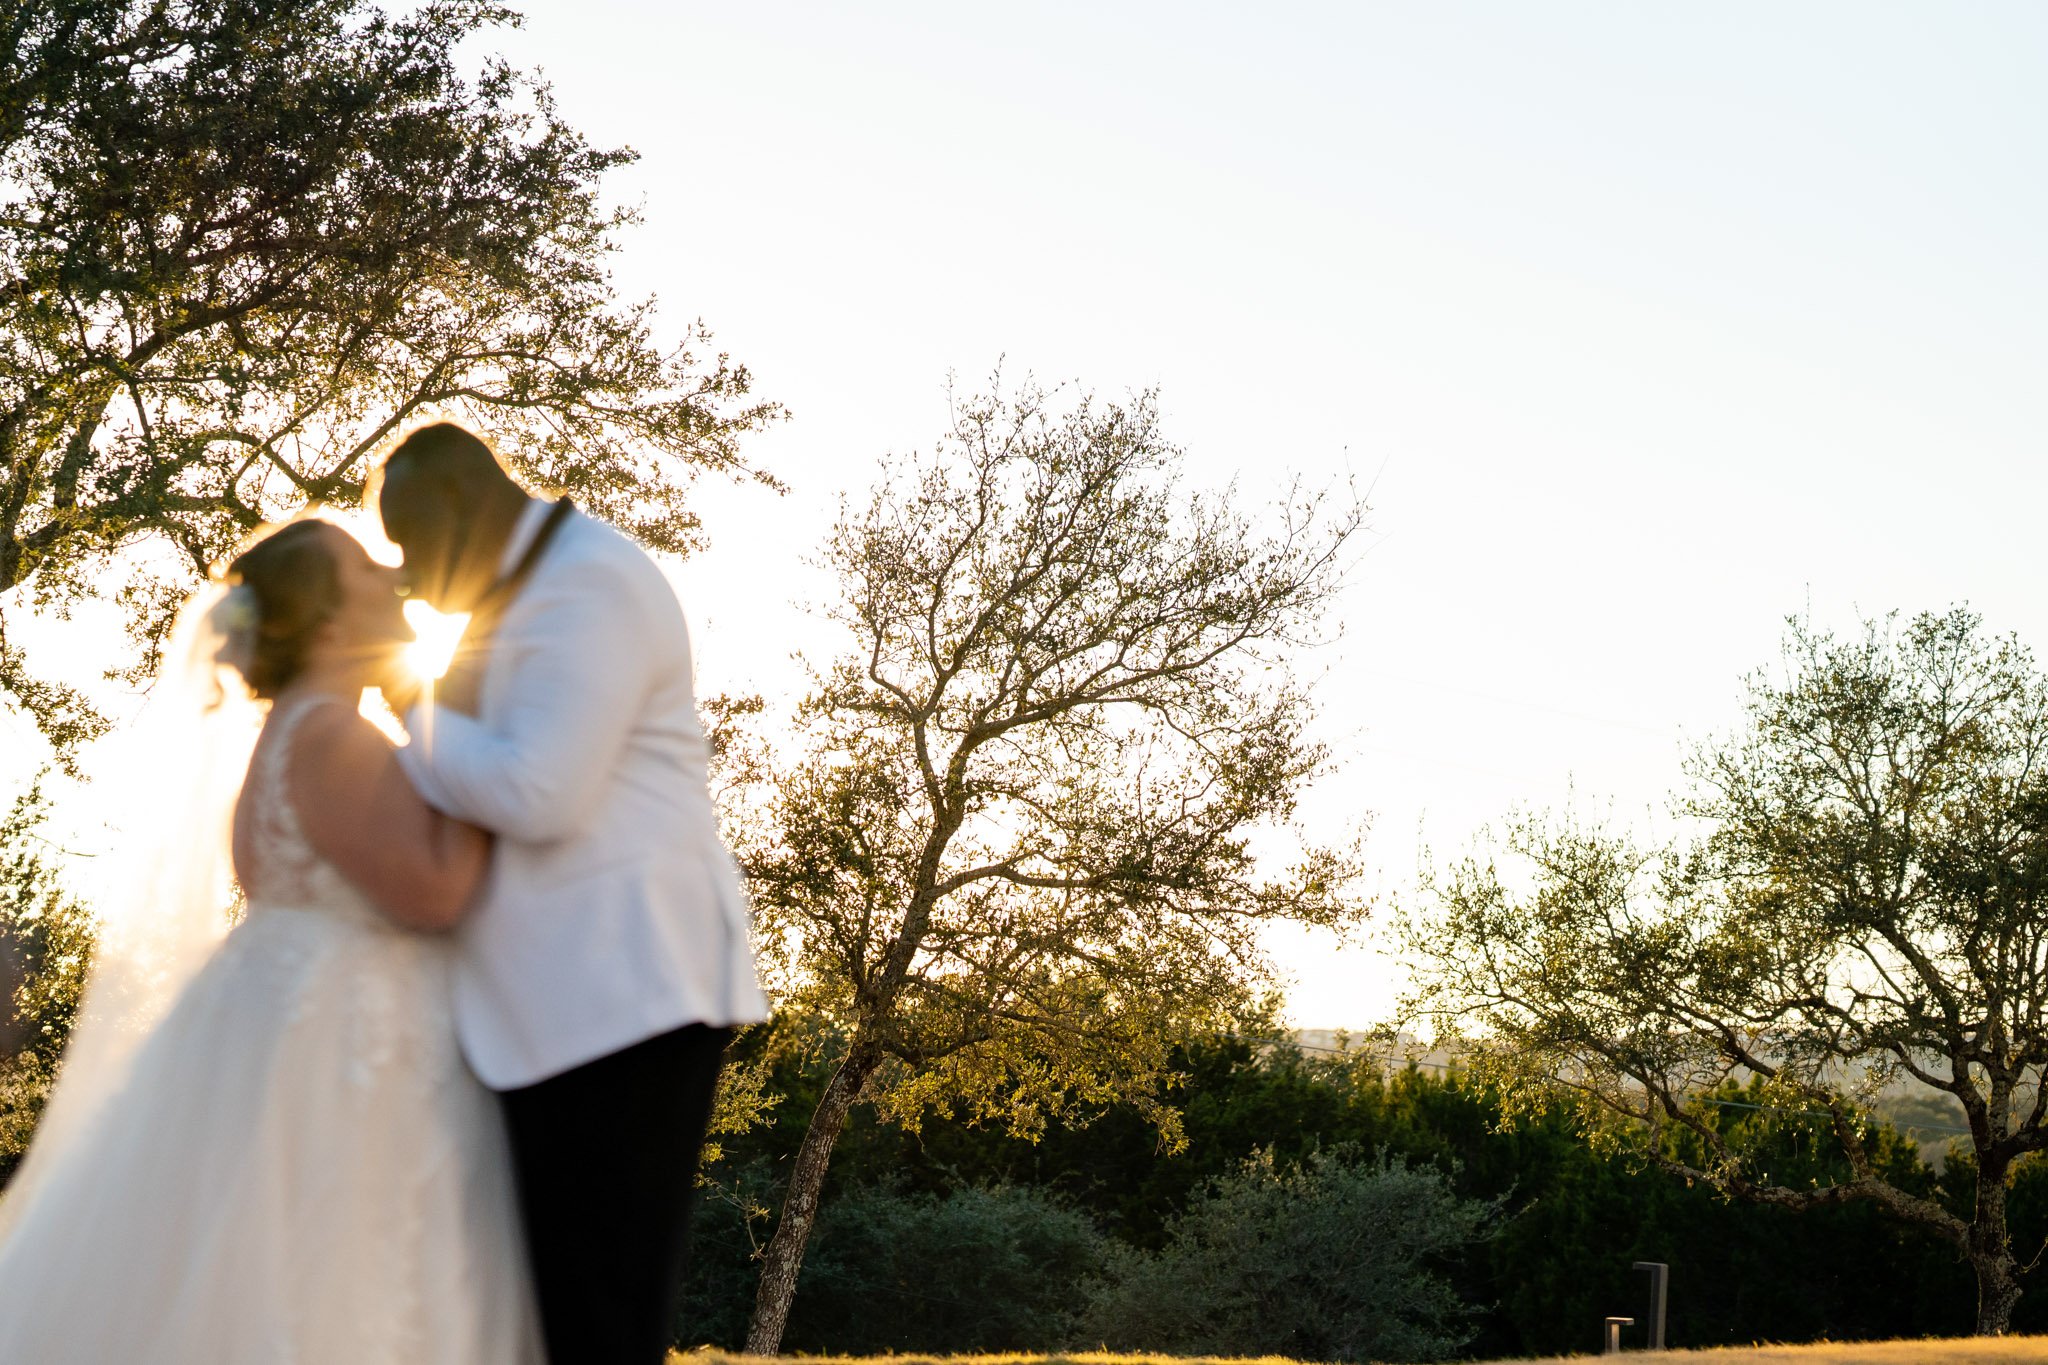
(284, 870)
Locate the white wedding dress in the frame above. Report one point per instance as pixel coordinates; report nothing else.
(298, 1169)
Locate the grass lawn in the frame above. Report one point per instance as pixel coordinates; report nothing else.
(1075, 1358)
(1936, 1351)
(1927, 1351)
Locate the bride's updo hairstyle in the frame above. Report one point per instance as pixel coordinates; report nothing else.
(298, 589)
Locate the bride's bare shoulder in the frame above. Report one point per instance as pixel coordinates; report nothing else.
(333, 743)
(316, 759)
(335, 720)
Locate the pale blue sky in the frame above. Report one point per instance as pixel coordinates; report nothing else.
(1651, 323)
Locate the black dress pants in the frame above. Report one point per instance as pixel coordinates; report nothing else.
(605, 1157)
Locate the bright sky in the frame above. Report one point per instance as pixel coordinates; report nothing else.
(1648, 325)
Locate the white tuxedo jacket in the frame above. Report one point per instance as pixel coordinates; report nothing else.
(612, 912)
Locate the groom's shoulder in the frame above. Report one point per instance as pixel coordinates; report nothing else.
(584, 534)
(588, 537)
(588, 549)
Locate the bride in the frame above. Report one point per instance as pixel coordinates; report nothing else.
(264, 1146)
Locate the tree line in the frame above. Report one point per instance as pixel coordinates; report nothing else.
(960, 1237)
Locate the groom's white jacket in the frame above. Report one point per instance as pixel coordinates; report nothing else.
(612, 911)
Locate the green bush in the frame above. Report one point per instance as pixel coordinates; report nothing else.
(976, 1270)
(731, 1218)
(46, 938)
(1576, 1216)
(1339, 1258)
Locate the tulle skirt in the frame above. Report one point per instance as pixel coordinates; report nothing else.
(300, 1170)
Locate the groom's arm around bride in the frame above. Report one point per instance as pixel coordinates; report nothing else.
(607, 958)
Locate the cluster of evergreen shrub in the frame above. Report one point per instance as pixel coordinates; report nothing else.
(1320, 1209)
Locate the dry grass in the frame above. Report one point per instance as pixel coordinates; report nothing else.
(1935, 1351)
(1928, 1351)
(1073, 1358)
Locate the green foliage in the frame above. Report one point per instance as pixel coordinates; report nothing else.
(716, 1296)
(742, 1101)
(1867, 903)
(46, 944)
(1335, 1259)
(1575, 1215)
(1001, 1268)
(243, 242)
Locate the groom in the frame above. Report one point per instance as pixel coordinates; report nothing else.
(599, 974)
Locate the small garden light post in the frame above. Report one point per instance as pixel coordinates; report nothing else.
(1660, 1287)
(1614, 1326)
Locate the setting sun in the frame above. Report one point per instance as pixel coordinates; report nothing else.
(429, 655)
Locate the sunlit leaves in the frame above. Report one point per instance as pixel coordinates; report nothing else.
(1011, 843)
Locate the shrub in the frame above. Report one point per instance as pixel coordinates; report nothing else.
(46, 938)
(727, 1224)
(977, 1270)
(1338, 1258)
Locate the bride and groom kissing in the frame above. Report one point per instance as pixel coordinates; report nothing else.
(437, 1097)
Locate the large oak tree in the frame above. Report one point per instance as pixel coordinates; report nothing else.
(1009, 857)
(242, 242)
(1865, 904)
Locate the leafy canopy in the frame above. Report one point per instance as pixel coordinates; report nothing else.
(1866, 904)
(243, 242)
(1013, 854)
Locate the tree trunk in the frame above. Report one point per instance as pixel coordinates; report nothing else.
(784, 1255)
(1998, 1293)
(1998, 1279)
